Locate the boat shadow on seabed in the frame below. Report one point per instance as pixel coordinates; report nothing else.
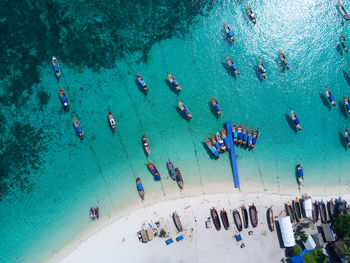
(343, 109)
(226, 38)
(229, 70)
(347, 77)
(343, 141)
(325, 101)
(258, 73)
(171, 87)
(291, 123)
(208, 151)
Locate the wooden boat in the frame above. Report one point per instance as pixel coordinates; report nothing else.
(250, 137)
(171, 169)
(245, 216)
(78, 128)
(331, 209)
(347, 104)
(224, 219)
(56, 67)
(295, 119)
(330, 97)
(290, 212)
(238, 221)
(139, 187)
(212, 148)
(232, 65)
(154, 171)
(220, 141)
(215, 217)
(215, 143)
(284, 60)
(229, 32)
(234, 133)
(300, 175)
(216, 106)
(297, 209)
(245, 135)
(179, 179)
(315, 212)
(323, 211)
(342, 40)
(271, 220)
(262, 68)
(342, 11)
(225, 138)
(177, 222)
(146, 145)
(240, 134)
(174, 82)
(112, 121)
(63, 99)
(251, 14)
(347, 136)
(255, 138)
(142, 82)
(184, 109)
(253, 215)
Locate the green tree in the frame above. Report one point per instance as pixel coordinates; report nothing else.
(295, 251)
(162, 233)
(301, 235)
(315, 256)
(346, 250)
(341, 226)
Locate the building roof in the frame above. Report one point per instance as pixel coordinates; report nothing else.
(286, 231)
(310, 243)
(328, 233)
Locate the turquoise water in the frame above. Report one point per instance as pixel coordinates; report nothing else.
(49, 178)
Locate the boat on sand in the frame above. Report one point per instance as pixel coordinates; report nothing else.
(323, 211)
(297, 209)
(215, 217)
(245, 216)
(237, 219)
(315, 212)
(224, 219)
(177, 222)
(271, 220)
(253, 215)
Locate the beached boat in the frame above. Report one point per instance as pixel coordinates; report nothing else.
(253, 215)
(184, 109)
(250, 137)
(225, 138)
(56, 67)
(154, 171)
(212, 148)
(347, 104)
(232, 65)
(330, 97)
(255, 138)
(220, 141)
(224, 219)
(331, 209)
(140, 188)
(229, 32)
(245, 216)
(142, 82)
(78, 128)
(216, 106)
(342, 40)
(271, 220)
(63, 99)
(347, 136)
(146, 145)
(215, 217)
(245, 135)
(315, 212)
(323, 211)
(177, 222)
(251, 14)
(234, 133)
(179, 179)
(300, 175)
(295, 119)
(284, 60)
(290, 212)
(112, 121)
(297, 209)
(215, 143)
(240, 134)
(342, 11)
(262, 68)
(238, 221)
(174, 82)
(171, 169)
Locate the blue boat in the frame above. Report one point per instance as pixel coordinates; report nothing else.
(154, 171)
(56, 67)
(225, 138)
(250, 137)
(300, 175)
(330, 97)
(240, 134)
(64, 98)
(229, 32)
(212, 148)
(255, 138)
(215, 143)
(171, 169)
(78, 128)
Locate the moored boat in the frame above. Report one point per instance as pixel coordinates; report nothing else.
(112, 121)
(234, 133)
(262, 68)
(253, 215)
(146, 145)
(240, 134)
(295, 119)
(245, 216)
(224, 219)
(238, 221)
(215, 143)
(142, 82)
(220, 141)
(171, 169)
(297, 209)
(78, 128)
(177, 222)
(323, 211)
(174, 82)
(251, 14)
(284, 60)
(245, 135)
(330, 97)
(63, 98)
(315, 212)
(255, 138)
(271, 219)
(179, 179)
(331, 209)
(56, 67)
(216, 106)
(347, 137)
(300, 175)
(229, 32)
(215, 217)
(154, 171)
(342, 40)
(342, 11)
(140, 188)
(225, 138)
(250, 137)
(184, 109)
(212, 148)
(290, 212)
(347, 104)
(232, 65)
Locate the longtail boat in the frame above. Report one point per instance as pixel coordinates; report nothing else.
(212, 148)
(142, 82)
(347, 136)
(140, 188)
(290, 212)
(271, 220)
(234, 133)
(251, 14)
(154, 171)
(295, 119)
(215, 143)
(78, 128)
(225, 138)
(245, 135)
(229, 32)
(253, 215)
(250, 137)
(216, 106)
(146, 145)
(232, 65)
(56, 67)
(323, 211)
(297, 209)
(224, 219)
(220, 140)
(330, 97)
(174, 82)
(63, 98)
(112, 121)
(342, 11)
(245, 216)
(179, 179)
(237, 219)
(171, 169)
(347, 104)
(262, 68)
(215, 217)
(184, 109)
(255, 138)
(300, 175)
(284, 60)
(315, 212)
(331, 209)
(177, 222)
(240, 134)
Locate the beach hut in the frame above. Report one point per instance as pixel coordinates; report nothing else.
(309, 244)
(147, 235)
(307, 204)
(328, 233)
(286, 231)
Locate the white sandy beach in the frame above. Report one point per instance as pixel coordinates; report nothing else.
(116, 240)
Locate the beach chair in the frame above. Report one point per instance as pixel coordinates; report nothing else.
(179, 238)
(169, 241)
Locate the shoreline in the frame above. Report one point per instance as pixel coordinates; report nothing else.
(213, 192)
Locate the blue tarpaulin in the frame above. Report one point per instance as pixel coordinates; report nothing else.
(139, 187)
(238, 237)
(78, 129)
(179, 238)
(56, 68)
(175, 83)
(169, 241)
(230, 33)
(300, 258)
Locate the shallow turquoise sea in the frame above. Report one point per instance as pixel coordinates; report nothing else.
(64, 176)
